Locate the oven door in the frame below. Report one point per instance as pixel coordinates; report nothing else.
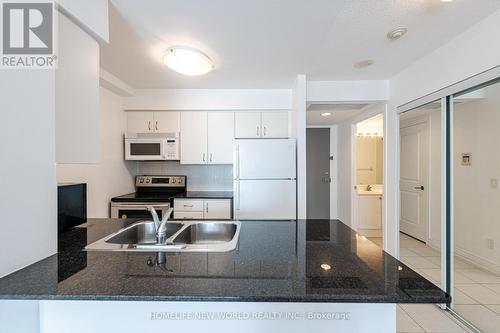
(145, 149)
(137, 210)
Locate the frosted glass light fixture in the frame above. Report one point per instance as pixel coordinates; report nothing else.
(187, 61)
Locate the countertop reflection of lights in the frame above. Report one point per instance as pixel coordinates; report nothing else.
(326, 267)
(187, 61)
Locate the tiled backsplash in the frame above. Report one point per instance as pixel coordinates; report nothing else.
(199, 177)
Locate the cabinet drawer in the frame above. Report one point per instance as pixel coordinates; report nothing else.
(188, 205)
(188, 215)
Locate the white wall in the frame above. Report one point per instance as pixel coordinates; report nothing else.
(476, 206)
(299, 122)
(111, 175)
(347, 91)
(28, 179)
(91, 15)
(209, 99)
(468, 54)
(77, 95)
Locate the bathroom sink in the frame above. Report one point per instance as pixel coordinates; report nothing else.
(182, 236)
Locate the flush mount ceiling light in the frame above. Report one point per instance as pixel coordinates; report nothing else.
(363, 64)
(397, 33)
(187, 61)
(326, 114)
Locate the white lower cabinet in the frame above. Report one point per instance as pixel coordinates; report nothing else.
(202, 209)
(370, 211)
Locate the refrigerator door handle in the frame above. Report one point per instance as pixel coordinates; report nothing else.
(237, 205)
(237, 162)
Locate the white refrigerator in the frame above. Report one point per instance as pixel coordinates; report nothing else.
(265, 179)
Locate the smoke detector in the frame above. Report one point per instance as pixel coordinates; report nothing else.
(363, 63)
(397, 33)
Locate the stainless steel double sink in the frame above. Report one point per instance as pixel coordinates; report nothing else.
(182, 236)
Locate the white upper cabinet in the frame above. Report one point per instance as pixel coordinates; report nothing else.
(139, 122)
(167, 122)
(247, 125)
(193, 137)
(207, 137)
(254, 125)
(151, 122)
(274, 124)
(220, 137)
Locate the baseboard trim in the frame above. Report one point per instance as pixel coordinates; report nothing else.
(477, 261)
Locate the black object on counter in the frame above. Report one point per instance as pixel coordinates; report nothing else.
(71, 205)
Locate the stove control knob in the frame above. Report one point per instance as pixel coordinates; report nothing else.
(179, 180)
(174, 181)
(148, 180)
(141, 180)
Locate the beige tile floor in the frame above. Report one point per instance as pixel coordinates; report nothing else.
(477, 293)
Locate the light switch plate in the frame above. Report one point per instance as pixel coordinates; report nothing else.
(466, 159)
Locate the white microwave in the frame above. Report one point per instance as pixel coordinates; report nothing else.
(152, 147)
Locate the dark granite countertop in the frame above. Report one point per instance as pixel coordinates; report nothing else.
(206, 195)
(276, 261)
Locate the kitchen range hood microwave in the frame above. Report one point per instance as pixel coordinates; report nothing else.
(152, 147)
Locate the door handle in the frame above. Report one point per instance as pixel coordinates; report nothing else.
(203, 157)
(149, 125)
(210, 157)
(419, 187)
(265, 130)
(156, 125)
(258, 131)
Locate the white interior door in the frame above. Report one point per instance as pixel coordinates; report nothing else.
(413, 181)
(220, 137)
(265, 199)
(193, 138)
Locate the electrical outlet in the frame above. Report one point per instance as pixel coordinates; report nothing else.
(494, 183)
(490, 244)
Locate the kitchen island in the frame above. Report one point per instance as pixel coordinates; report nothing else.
(293, 275)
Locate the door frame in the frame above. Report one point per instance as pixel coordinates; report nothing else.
(333, 168)
(354, 196)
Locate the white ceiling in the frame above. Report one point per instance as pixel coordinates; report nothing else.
(339, 113)
(265, 43)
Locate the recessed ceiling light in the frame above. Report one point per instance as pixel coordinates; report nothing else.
(326, 114)
(187, 61)
(363, 63)
(325, 267)
(446, 0)
(397, 33)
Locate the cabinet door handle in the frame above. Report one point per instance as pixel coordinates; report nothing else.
(264, 130)
(149, 125)
(419, 187)
(203, 157)
(206, 209)
(188, 205)
(156, 125)
(258, 131)
(210, 157)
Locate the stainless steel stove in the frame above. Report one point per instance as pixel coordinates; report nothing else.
(156, 191)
